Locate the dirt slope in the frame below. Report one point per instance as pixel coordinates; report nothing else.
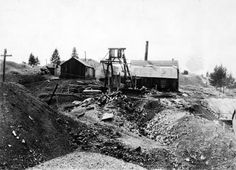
(184, 130)
(29, 129)
(87, 160)
(225, 106)
(192, 79)
(196, 142)
(14, 67)
(21, 73)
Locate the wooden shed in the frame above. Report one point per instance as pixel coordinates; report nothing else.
(53, 70)
(161, 75)
(76, 68)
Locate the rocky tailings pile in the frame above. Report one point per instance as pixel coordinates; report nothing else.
(198, 141)
(193, 136)
(29, 129)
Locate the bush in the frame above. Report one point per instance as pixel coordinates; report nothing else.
(185, 72)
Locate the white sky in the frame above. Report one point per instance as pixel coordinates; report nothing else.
(195, 32)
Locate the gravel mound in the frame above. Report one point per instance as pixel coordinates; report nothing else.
(29, 129)
(87, 160)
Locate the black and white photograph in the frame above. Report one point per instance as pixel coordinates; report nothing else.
(118, 84)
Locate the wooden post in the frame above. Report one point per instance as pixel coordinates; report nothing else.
(49, 102)
(4, 63)
(146, 52)
(85, 55)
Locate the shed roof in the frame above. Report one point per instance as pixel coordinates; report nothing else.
(155, 69)
(51, 65)
(77, 59)
(154, 72)
(164, 63)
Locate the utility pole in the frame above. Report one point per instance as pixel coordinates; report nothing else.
(146, 52)
(4, 63)
(85, 55)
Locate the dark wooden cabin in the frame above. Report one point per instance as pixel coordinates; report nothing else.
(76, 68)
(160, 75)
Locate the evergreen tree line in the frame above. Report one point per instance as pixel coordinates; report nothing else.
(33, 61)
(55, 58)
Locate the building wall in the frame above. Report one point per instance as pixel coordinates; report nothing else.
(161, 84)
(72, 69)
(90, 72)
(75, 69)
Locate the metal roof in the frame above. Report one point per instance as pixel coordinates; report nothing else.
(164, 63)
(154, 69)
(154, 72)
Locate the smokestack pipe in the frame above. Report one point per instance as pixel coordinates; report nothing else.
(146, 52)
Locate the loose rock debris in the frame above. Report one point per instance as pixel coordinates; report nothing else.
(29, 131)
(107, 116)
(87, 160)
(182, 126)
(171, 122)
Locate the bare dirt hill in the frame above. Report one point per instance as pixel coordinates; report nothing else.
(192, 79)
(29, 129)
(91, 62)
(14, 67)
(21, 73)
(87, 160)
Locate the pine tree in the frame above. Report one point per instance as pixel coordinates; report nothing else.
(32, 60)
(219, 76)
(230, 81)
(74, 53)
(37, 62)
(55, 59)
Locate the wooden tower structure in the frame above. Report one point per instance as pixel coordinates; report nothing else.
(116, 56)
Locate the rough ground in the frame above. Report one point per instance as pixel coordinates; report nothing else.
(178, 131)
(87, 160)
(29, 130)
(21, 73)
(154, 131)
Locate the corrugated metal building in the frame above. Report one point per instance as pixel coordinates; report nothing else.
(161, 75)
(76, 68)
